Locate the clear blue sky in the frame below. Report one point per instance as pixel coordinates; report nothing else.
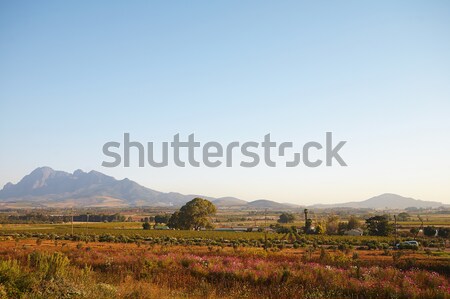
(76, 74)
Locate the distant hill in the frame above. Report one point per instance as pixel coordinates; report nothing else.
(383, 201)
(228, 202)
(45, 187)
(260, 204)
(267, 204)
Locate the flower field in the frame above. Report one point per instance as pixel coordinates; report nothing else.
(68, 269)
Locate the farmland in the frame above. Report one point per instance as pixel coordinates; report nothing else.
(121, 260)
(143, 271)
(251, 255)
(132, 232)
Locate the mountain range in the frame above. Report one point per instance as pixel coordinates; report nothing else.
(45, 187)
(384, 201)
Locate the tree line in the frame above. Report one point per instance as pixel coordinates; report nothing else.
(43, 218)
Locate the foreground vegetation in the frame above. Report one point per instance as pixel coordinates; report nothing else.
(283, 258)
(49, 269)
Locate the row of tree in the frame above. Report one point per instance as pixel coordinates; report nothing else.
(331, 225)
(158, 219)
(44, 218)
(432, 231)
(376, 225)
(99, 218)
(196, 214)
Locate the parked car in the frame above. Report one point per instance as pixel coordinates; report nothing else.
(408, 245)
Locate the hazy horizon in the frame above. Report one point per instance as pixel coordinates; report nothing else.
(246, 199)
(74, 76)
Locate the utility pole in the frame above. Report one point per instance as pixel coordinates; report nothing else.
(265, 229)
(72, 220)
(395, 227)
(87, 223)
(265, 218)
(306, 220)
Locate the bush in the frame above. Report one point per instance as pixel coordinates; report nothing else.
(429, 231)
(343, 247)
(146, 226)
(444, 232)
(49, 266)
(13, 279)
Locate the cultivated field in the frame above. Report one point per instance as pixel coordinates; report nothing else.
(121, 260)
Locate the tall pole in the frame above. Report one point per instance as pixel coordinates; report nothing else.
(265, 229)
(306, 220)
(87, 222)
(72, 220)
(265, 218)
(395, 227)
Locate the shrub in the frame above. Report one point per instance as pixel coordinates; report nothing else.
(49, 266)
(444, 232)
(146, 226)
(13, 279)
(429, 231)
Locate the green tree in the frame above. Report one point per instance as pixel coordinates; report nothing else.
(146, 225)
(286, 218)
(342, 227)
(308, 223)
(429, 231)
(162, 219)
(308, 227)
(332, 224)
(320, 229)
(379, 226)
(444, 232)
(175, 220)
(193, 215)
(403, 216)
(353, 223)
